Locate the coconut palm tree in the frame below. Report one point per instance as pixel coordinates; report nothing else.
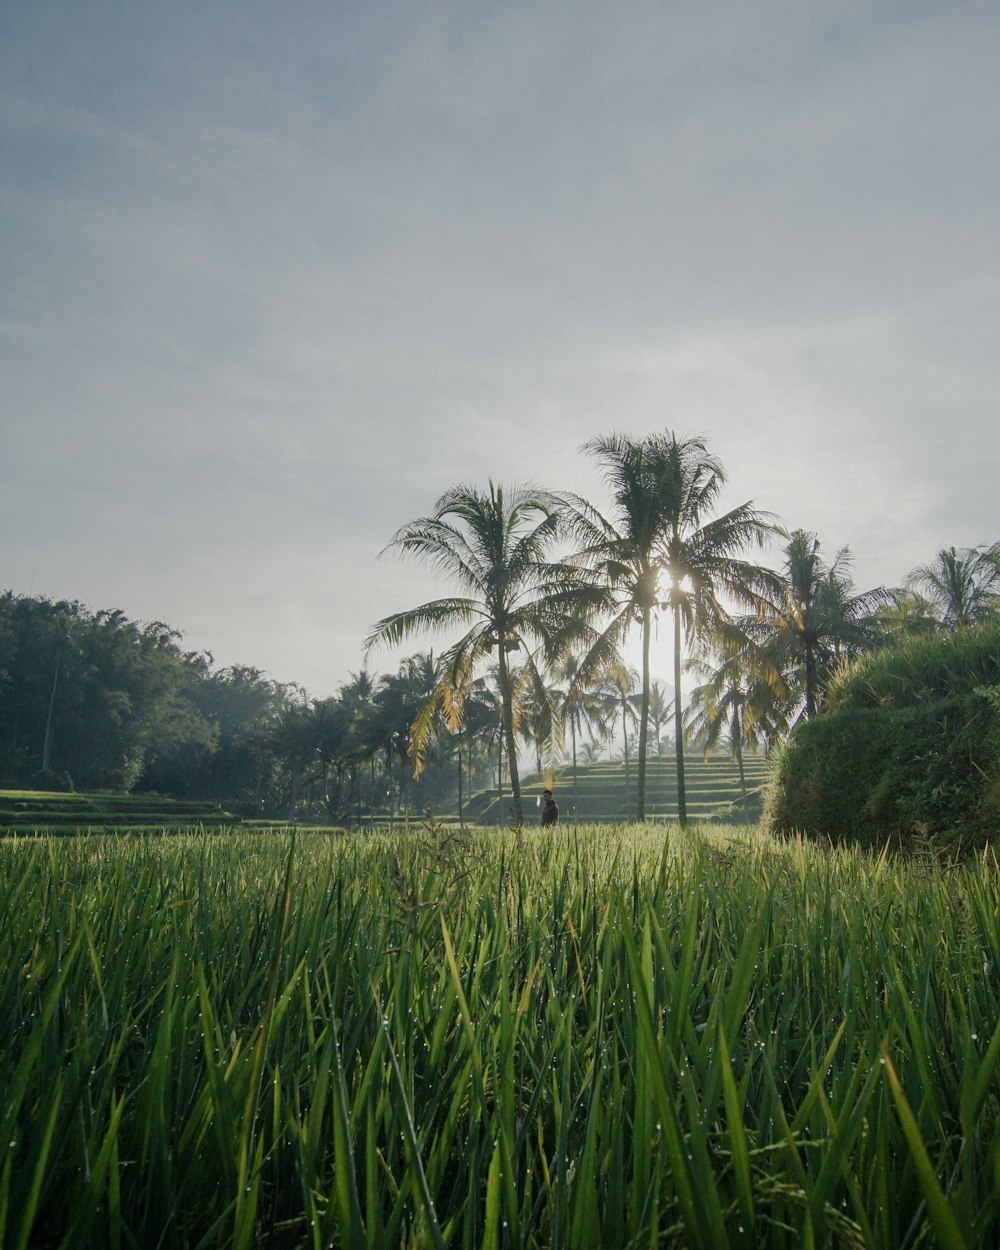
(590, 752)
(579, 708)
(700, 558)
(817, 620)
(962, 584)
(664, 489)
(908, 614)
(620, 696)
(746, 697)
(494, 546)
(540, 729)
(397, 703)
(622, 554)
(660, 707)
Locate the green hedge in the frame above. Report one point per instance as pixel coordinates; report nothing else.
(905, 775)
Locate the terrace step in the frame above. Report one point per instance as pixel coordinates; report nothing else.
(30, 811)
(599, 791)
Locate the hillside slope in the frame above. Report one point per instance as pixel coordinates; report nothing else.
(598, 791)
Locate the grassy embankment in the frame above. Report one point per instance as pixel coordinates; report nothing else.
(58, 812)
(605, 1039)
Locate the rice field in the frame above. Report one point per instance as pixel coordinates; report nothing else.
(598, 792)
(615, 1038)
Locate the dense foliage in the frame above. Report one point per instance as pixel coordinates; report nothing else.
(93, 700)
(510, 1041)
(907, 776)
(909, 751)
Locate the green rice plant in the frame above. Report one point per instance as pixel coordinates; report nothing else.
(609, 1037)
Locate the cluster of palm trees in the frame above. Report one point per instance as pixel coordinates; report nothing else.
(351, 755)
(769, 637)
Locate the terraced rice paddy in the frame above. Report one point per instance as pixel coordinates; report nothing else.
(610, 1038)
(32, 811)
(601, 792)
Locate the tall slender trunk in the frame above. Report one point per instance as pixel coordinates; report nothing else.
(737, 732)
(508, 727)
(625, 742)
(572, 734)
(47, 744)
(461, 817)
(500, 778)
(640, 798)
(810, 681)
(678, 720)
(293, 788)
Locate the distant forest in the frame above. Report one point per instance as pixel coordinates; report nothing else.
(93, 700)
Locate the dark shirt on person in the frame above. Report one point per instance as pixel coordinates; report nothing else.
(550, 813)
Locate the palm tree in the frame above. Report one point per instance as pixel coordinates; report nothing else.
(622, 553)
(817, 620)
(908, 614)
(590, 752)
(621, 699)
(398, 701)
(663, 488)
(746, 696)
(962, 584)
(482, 718)
(700, 558)
(660, 707)
(578, 708)
(541, 724)
(494, 546)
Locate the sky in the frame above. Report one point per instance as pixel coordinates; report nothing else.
(276, 276)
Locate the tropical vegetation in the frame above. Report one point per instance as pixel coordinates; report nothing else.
(908, 753)
(546, 591)
(663, 549)
(494, 545)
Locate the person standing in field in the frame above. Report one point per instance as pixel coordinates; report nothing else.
(550, 810)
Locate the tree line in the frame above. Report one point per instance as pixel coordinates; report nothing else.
(546, 590)
(92, 700)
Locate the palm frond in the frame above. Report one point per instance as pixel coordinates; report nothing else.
(436, 615)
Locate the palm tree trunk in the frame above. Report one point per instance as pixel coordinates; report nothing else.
(500, 777)
(640, 798)
(625, 741)
(572, 734)
(810, 682)
(737, 732)
(47, 744)
(461, 817)
(517, 815)
(678, 721)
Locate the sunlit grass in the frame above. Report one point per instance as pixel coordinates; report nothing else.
(603, 1038)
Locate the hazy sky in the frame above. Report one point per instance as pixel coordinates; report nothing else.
(273, 276)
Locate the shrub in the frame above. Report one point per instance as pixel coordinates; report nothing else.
(903, 775)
